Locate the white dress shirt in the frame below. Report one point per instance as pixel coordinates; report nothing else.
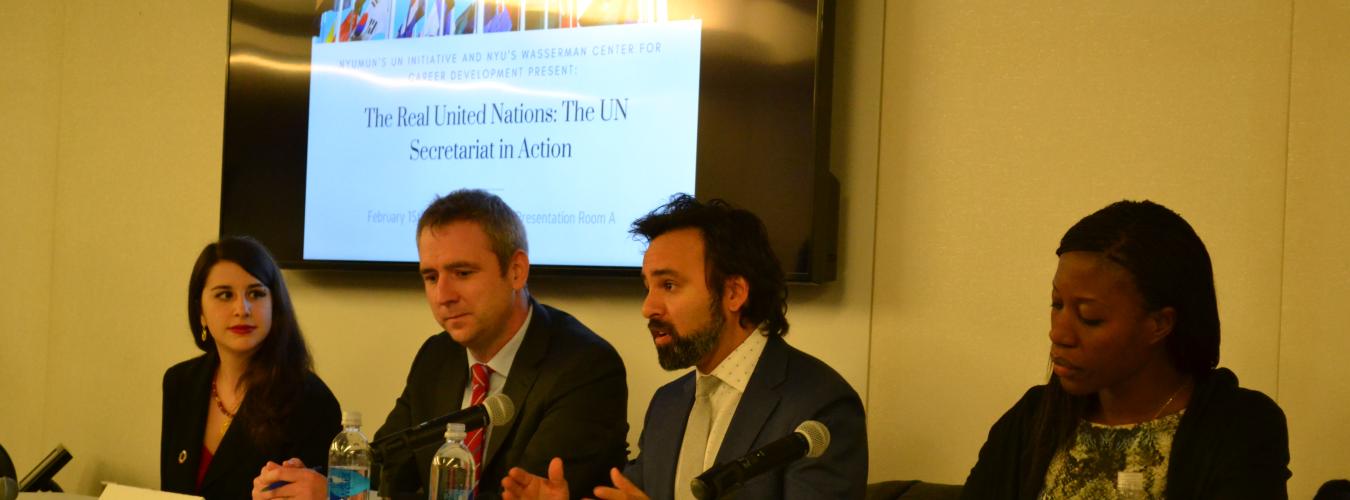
(501, 368)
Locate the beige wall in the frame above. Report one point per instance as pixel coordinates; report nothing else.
(29, 101)
(136, 183)
(1314, 334)
(968, 136)
(1002, 125)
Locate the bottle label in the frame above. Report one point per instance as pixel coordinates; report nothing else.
(1130, 484)
(456, 494)
(344, 483)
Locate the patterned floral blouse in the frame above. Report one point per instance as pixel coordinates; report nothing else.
(1103, 454)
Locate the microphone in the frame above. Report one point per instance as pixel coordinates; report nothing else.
(495, 411)
(809, 440)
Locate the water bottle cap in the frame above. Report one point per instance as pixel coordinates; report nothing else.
(351, 419)
(454, 431)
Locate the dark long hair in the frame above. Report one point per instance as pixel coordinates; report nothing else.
(735, 243)
(276, 372)
(1170, 268)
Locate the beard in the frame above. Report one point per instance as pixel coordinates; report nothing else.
(685, 351)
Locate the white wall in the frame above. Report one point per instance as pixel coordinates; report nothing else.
(968, 136)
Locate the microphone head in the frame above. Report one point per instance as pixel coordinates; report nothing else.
(9, 488)
(817, 437)
(500, 409)
(700, 489)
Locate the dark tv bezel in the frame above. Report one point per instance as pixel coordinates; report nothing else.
(256, 139)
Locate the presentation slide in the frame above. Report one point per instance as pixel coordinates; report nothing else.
(580, 121)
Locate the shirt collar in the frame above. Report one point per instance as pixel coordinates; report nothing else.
(501, 362)
(736, 369)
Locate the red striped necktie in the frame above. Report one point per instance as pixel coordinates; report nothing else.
(474, 438)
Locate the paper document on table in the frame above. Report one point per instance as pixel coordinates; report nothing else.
(121, 492)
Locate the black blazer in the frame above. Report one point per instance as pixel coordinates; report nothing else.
(787, 387)
(1231, 443)
(187, 396)
(571, 397)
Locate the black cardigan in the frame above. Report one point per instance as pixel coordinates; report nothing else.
(1231, 443)
(187, 396)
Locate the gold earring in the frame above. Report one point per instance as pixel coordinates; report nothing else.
(205, 330)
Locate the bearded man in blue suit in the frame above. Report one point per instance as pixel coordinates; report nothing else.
(717, 301)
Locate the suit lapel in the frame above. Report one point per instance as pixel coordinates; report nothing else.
(524, 372)
(664, 433)
(453, 377)
(446, 392)
(192, 415)
(235, 447)
(757, 404)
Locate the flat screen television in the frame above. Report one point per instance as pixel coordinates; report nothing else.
(344, 118)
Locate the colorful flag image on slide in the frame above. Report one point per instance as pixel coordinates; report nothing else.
(346, 14)
(431, 22)
(464, 17)
(327, 27)
(412, 19)
(375, 21)
(361, 20)
(501, 19)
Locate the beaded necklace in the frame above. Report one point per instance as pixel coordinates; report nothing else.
(229, 415)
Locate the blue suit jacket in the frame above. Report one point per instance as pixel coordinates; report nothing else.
(787, 387)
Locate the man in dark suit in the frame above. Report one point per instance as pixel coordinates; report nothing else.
(716, 301)
(567, 384)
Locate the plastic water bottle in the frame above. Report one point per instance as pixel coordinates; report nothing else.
(349, 461)
(452, 469)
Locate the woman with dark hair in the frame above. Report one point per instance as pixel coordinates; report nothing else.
(253, 396)
(1136, 407)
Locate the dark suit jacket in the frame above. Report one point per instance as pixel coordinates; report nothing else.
(570, 393)
(187, 396)
(788, 387)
